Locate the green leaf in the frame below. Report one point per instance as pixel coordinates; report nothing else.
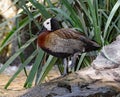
(34, 69)
(46, 68)
(12, 58)
(13, 32)
(27, 61)
(60, 11)
(112, 13)
(97, 32)
(80, 61)
(73, 15)
(41, 8)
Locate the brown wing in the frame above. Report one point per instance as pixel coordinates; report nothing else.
(69, 33)
(86, 43)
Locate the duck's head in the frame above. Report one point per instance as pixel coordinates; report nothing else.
(51, 24)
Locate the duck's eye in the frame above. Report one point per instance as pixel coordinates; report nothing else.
(47, 22)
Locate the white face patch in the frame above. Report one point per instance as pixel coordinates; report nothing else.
(47, 24)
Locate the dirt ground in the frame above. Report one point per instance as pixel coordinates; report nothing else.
(16, 87)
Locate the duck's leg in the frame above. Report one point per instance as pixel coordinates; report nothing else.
(65, 62)
(74, 58)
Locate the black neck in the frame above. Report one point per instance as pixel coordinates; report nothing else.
(54, 24)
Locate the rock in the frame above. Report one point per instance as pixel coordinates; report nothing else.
(109, 57)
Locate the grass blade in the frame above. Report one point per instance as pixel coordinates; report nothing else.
(41, 8)
(112, 13)
(80, 61)
(73, 15)
(27, 61)
(13, 32)
(34, 69)
(12, 58)
(97, 36)
(46, 68)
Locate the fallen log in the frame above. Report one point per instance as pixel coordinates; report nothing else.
(101, 79)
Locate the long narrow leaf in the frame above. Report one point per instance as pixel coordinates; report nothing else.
(73, 15)
(12, 58)
(13, 32)
(80, 61)
(41, 8)
(33, 71)
(27, 61)
(112, 13)
(97, 36)
(46, 68)
(60, 11)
